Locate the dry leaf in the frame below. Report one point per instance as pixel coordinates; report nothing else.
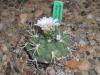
(38, 13)
(22, 62)
(73, 64)
(3, 47)
(23, 17)
(84, 65)
(82, 49)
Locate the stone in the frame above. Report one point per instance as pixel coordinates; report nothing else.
(69, 72)
(5, 13)
(97, 37)
(92, 61)
(1, 26)
(77, 73)
(97, 69)
(82, 43)
(98, 48)
(85, 65)
(60, 72)
(90, 16)
(51, 71)
(92, 72)
(85, 73)
(97, 18)
(93, 42)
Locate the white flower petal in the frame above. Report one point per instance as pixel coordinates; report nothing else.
(45, 22)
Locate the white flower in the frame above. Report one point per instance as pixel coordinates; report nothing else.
(37, 46)
(49, 40)
(47, 23)
(36, 35)
(58, 37)
(61, 40)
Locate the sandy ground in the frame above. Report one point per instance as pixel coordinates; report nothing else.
(81, 20)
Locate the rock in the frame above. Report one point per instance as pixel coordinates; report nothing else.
(91, 36)
(97, 68)
(90, 16)
(92, 72)
(97, 51)
(92, 61)
(97, 37)
(5, 13)
(1, 26)
(60, 72)
(42, 72)
(1, 73)
(1, 56)
(85, 65)
(85, 73)
(18, 52)
(92, 42)
(98, 58)
(98, 48)
(51, 71)
(69, 72)
(82, 43)
(77, 73)
(97, 18)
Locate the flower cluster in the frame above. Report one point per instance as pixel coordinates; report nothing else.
(47, 23)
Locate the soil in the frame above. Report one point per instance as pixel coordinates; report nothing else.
(81, 20)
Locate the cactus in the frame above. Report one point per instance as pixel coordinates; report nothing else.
(43, 48)
(51, 42)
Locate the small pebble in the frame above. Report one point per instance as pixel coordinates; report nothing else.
(85, 73)
(60, 72)
(89, 16)
(97, 69)
(92, 42)
(51, 71)
(97, 18)
(85, 65)
(92, 72)
(77, 73)
(1, 26)
(82, 42)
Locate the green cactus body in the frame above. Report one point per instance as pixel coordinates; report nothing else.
(45, 49)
